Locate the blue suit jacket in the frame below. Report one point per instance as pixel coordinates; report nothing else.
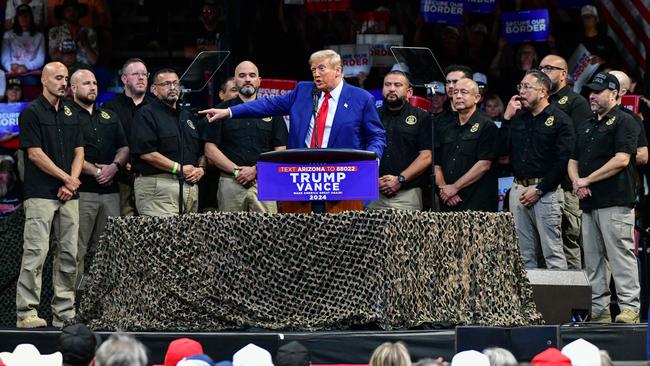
(356, 123)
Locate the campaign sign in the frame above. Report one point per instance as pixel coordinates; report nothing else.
(480, 6)
(9, 113)
(525, 26)
(357, 180)
(505, 183)
(321, 6)
(275, 87)
(355, 59)
(442, 12)
(631, 102)
(380, 47)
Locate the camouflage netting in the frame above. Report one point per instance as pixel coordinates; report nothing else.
(11, 252)
(308, 272)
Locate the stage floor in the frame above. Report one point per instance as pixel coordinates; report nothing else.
(624, 342)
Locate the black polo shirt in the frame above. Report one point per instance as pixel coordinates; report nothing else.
(598, 141)
(461, 146)
(57, 133)
(642, 138)
(408, 131)
(242, 140)
(540, 146)
(157, 127)
(103, 135)
(125, 109)
(444, 118)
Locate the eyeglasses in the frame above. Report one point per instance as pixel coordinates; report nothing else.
(169, 84)
(525, 87)
(140, 74)
(549, 68)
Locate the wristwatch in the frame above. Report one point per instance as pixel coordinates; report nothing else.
(539, 192)
(401, 179)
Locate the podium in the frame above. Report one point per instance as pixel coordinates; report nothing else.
(339, 179)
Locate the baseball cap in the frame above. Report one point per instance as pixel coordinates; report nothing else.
(551, 357)
(23, 8)
(603, 81)
(438, 88)
(470, 358)
(582, 353)
(292, 354)
(14, 82)
(196, 360)
(480, 78)
(28, 354)
(252, 355)
(181, 348)
(589, 10)
(78, 344)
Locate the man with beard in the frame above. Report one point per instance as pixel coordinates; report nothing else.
(541, 140)
(134, 76)
(576, 107)
(51, 137)
(467, 148)
(166, 152)
(106, 149)
(602, 172)
(407, 154)
(234, 146)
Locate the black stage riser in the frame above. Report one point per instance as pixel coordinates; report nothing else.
(624, 342)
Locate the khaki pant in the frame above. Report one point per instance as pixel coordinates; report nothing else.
(158, 196)
(94, 209)
(408, 199)
(127, 199)
(571, 220)
(608, 239)
(232, 196)
(41, 215)
(539, 226)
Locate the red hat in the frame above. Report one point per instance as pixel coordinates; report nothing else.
(551, 357)
(179, 349)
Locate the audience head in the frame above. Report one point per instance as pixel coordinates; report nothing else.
(589, 15)
(582, 353)
(14, 91)
(534, 89)
(166, 86)
(26, 354)
(437, 95)
(526, 57)
(494, 107)
(134, 76)
(78, 344)
(605, 359)
(557, 70)
(24, 20)
(470, 358)
(121, 349)
(624, 82)
(84, 87)
(247, 79)
(55, 80)
(181, 348)
(551, 357)
(466, 95)
(228, 89)
(396, 90)
(252, 355)
(292, 354)
(453, 73)
(196, 360)
(430, 362)
(500, 357)
(326, 69)
(7, 174)
(604, 93)
(71, 11)
(390, 354)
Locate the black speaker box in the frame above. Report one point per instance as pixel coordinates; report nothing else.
(561, 296)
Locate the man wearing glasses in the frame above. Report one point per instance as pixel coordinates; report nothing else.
(134, 76)
(576, 107)
(166, 152)
(541, 140)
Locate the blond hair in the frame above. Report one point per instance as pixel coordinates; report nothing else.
(331, 55)
(391, 354)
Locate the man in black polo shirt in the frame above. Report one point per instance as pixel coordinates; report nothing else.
(234, 146)
(106, 150)
(602, 171)
(166, 152)
(541, 140)
(52, 139)
(407, 154)
(467, 148)
(134, 76)
(576, 107)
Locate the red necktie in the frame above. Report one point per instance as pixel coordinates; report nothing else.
(320, 122)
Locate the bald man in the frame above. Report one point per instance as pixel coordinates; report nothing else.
(577, 108)
(642, 141)
(464, 156)
(53, 142)
(106, 150)
(234, 146)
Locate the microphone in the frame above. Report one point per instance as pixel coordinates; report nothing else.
(315, 94)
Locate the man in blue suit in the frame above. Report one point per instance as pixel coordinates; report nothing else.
(346, 115)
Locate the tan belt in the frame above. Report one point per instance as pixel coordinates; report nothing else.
(158, 175)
